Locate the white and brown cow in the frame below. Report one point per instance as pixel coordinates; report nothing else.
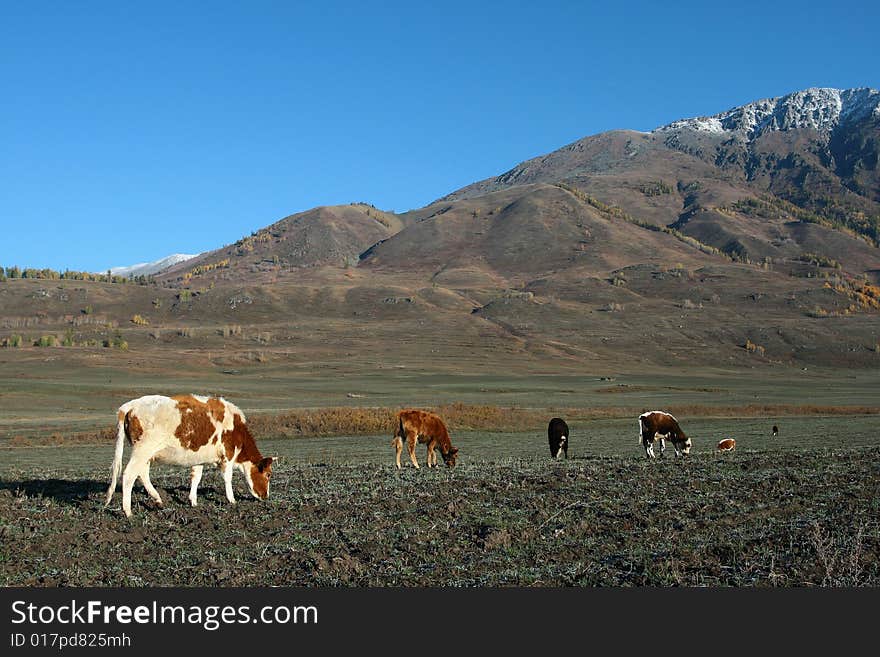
(187, 430)
(655, 425)
(726, 445)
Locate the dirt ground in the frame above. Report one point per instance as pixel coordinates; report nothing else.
(750, 518)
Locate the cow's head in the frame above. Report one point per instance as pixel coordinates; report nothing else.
(684, 446)
(258, 476)
(450, 457)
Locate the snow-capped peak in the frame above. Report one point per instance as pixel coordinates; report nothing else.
(817, 108)
(147, 268)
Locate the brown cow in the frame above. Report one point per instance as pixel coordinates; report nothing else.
(660, 424)
(726, 445)
(186, 430)
(421, 426)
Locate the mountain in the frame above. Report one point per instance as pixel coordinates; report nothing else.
(775, 179)
(747, 239)
(323, 236)
(817, 148)
(822, 110)
(147, 268)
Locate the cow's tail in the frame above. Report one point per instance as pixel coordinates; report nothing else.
(399, 431)
(641, 430)
(117, 457)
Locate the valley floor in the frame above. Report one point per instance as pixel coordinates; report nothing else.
(799, 512)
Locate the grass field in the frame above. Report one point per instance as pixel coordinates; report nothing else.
(801, 509)
(42, 396)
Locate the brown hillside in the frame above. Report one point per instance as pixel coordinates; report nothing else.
(334, 235)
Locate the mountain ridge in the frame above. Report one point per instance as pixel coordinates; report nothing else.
(818, 108)
(148, 268)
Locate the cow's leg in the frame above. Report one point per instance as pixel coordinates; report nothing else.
(662, 445)
(431, 456)
(398, 448)
(228, 467)
(565, 448)
(148, 485)
(194, 478)
(411, 448)
(129, 476)
(649, 447)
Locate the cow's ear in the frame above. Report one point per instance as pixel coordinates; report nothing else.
(265, 463)
(454, 450)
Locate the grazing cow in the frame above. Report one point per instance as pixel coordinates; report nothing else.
(660, 424)
(186, 430)
(726, 445)
(557, 434)
(775, 430)
(421, 426)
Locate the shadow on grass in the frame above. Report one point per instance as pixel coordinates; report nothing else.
(60, 490)
(67, 491)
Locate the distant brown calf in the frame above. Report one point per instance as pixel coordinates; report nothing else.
(726, 445)
(421, 426)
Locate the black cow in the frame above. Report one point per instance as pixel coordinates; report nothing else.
(660, 424)
(557, 434)
(775, 430)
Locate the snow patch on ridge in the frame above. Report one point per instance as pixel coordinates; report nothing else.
(147, 268)
(820, 109)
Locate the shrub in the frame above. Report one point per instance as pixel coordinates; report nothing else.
(140, 320)
(116, 343)
(68, 341)
(618, 279)
(842, 557)
(46, 341)
(655, 188)
(819, 260)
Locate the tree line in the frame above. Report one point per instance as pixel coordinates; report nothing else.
(15, 271)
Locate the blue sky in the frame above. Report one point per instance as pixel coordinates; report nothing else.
(129, 131)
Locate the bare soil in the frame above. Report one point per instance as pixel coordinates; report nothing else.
(775, 516)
